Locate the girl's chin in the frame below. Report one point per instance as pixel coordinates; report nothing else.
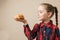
(40, 19)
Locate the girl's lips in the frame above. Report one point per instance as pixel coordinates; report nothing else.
(38, 16)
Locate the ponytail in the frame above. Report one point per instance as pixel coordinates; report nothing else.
(52, 9)
(56, 15)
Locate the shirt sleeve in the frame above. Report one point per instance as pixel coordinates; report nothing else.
(30, 34)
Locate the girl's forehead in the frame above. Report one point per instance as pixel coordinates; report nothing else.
(42, 7)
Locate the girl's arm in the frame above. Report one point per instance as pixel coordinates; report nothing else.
(30, 34)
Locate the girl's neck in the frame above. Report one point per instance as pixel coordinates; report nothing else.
(46, 21)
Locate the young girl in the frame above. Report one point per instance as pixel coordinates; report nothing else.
(46, 30)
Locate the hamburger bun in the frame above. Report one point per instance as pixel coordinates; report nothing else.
(19, 16)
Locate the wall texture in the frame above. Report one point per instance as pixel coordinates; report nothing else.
(9, 8)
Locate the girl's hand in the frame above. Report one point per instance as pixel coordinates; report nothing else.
(20, 18)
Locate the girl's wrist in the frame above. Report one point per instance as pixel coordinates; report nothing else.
(25, 22)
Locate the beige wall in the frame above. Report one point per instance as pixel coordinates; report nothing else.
(9, 8)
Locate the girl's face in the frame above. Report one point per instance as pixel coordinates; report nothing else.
(42, 13)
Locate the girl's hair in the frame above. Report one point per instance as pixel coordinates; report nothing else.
(52, 9)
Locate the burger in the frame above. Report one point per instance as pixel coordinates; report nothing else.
(19, 16)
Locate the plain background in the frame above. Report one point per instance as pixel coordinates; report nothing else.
(13, 30)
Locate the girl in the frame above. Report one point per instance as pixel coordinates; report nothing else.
(46, 30)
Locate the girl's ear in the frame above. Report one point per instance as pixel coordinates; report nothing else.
(49, 14)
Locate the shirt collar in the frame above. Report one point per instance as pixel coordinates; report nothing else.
(47, 24)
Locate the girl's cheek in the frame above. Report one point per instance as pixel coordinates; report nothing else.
(40, 17)
(43, 16)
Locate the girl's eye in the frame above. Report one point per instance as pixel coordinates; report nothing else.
(40, 12)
